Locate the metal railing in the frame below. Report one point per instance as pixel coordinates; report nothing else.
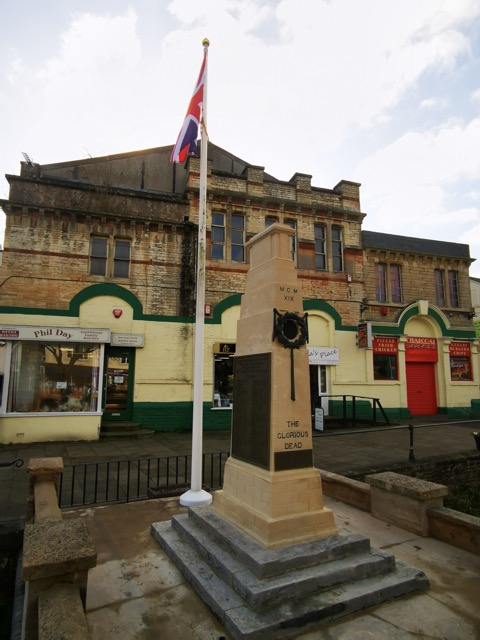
(411, 428)
(18, 463)
(110, 482)
(351, 416)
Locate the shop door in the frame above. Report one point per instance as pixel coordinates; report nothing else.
(318, 387)
(118, 392)
(421, 392)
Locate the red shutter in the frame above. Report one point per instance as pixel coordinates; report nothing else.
(421, 390)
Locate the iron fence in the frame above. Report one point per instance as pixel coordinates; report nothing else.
(110, 482)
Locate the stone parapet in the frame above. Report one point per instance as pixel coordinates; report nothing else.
(404, 501)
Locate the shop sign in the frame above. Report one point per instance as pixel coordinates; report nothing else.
(385, 345)
(364, 335)
(459, 349)
(421, 343)
(54, 334)
(224, 347)
(421, 349)
(323, 355)
(127, 340)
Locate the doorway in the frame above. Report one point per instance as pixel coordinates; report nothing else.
(119, 376)
(421, 390)
(318, 387)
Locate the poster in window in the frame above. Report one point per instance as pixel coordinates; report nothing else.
(460, 369)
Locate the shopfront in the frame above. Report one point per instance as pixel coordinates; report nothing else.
(421, 356)
(320, 360)
(50, 372)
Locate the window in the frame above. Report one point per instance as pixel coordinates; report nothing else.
(53, 377)
(101, 264)
(453, 289)
(98, 256)
(223, 375)
(270, 221)
(384, 366)
(396, 283)
(385, 357)
(228, 237)
(440, 299)
(218, 236)
(337, 249)
(320, 247)
(381, 282)
(238, 238)
(121, 259)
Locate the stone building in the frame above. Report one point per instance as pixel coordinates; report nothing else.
(97, 295)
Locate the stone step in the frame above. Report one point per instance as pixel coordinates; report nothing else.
(261, 593)
(295, 614)
(124, 429)
(265, 563)
(119, 425)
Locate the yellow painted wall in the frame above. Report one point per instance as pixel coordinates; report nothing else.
(49, 427)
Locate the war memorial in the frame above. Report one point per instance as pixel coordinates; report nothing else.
(267, 556)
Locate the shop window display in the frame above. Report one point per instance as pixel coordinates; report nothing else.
(53, 377)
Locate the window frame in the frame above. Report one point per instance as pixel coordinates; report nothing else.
(381, 282)
(337, 249)
(440, 291)
(111, 258)
(320, 245)
(234, 231)
(453, 289)
(396, 290)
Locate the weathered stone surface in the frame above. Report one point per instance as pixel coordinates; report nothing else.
(404, 501)
(405, 485)
(45, 466)
(56, 548)
(61, 615)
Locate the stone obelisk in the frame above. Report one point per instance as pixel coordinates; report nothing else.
(271, 490)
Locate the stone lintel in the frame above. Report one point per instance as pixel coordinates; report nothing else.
(57, 548)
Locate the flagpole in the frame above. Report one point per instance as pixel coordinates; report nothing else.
(196, 496)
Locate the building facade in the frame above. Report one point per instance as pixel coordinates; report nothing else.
(97, 297)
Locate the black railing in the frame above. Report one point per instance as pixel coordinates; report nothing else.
(110, 482)
(18, 463)
(350, 413)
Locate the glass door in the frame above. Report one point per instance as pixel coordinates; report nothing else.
(118, 393)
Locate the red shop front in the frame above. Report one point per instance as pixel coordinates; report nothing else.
(420, 357)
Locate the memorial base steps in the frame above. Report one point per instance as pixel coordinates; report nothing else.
(280, 593)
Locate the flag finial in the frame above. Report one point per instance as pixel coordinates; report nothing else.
(206, 42)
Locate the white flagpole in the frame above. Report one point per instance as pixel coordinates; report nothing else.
(196, 496)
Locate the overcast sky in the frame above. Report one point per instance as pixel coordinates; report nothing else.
(382, 92)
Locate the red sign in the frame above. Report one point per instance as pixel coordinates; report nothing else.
(421, 350)
(385, 345)
(9, 333)
(459, 349)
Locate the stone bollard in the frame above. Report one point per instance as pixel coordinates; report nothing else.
(55, 552)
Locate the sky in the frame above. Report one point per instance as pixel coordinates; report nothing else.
(382, 92)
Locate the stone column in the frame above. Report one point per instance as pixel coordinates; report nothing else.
(271, 489)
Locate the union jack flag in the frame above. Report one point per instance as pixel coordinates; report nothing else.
(186, 144)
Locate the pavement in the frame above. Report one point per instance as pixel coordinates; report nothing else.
(135, 592)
